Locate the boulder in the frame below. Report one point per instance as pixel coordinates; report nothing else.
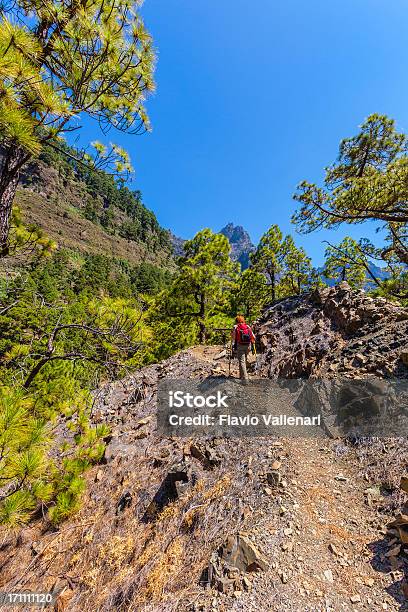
(205, 454)
(330, 332)
(238, 551)
(404, 484)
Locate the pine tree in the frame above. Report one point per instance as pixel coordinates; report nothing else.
(297, 270)
(315, 279)
(269, 257)
(345, 262)
(59, 61)
(52, 351)
(369, 181)
(251, 293)
(201, 289)
(24, 464)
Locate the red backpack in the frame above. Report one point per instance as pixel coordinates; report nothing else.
(243, 334)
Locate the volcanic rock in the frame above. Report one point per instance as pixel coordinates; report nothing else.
(330, 332)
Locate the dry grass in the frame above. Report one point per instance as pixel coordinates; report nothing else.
(168, 564)
(115, 560)
(383, 461)
(129, 565)
(116, 550)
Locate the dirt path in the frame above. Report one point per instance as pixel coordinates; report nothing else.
(326, 544)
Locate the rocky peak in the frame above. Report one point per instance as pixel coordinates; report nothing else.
(240, 242)
(177, 244)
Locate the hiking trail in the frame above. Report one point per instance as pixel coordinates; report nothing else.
(327, 548)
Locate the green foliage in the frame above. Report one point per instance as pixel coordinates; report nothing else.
(251, 293)
(68, 482)
(347, 263)
(199, 296)
(67, 323)
(72, 274)
(297, 269)
(24, 443)
(67, 59)
(173, 329)
(394, 288)
(368, 182)
(315, 279)
(147, 278)
(30, 476)
(269, 257)
(206, 277)
(287, 267)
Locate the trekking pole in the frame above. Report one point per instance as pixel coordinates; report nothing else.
(229, 360)
(256, 361)
(253, 349)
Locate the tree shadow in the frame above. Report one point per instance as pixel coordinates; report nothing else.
(167, 492)
(385, 565)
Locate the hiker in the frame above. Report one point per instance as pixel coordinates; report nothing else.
(242, 338)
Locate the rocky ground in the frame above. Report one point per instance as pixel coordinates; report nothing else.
(256, 524)
(334, 331)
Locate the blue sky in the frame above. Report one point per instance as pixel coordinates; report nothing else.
(253, 97)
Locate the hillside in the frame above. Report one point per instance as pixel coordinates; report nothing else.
(89, 212)
(70, 229)
(333, 331)
(225, 524)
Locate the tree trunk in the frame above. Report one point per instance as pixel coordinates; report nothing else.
(13, 160)
(273, 283)
(299, 284)
(201, 320)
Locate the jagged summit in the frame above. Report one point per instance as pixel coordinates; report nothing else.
(240, 242)
(238, 237)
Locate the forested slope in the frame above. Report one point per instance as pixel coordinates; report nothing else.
(89, 211)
